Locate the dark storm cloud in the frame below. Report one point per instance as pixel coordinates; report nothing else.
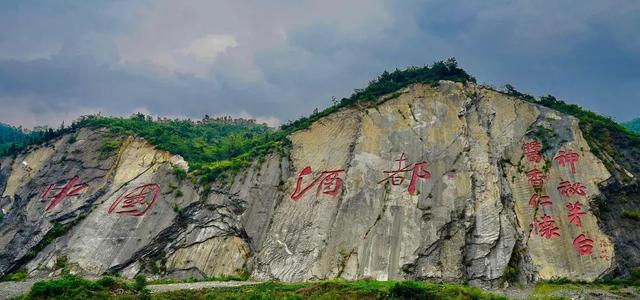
(279, 61)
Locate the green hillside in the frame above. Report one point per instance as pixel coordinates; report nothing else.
(214, 146)
(633, 125)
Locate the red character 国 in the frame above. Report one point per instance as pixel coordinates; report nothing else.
(329, 183)
(583, 244)
(542, 200)
(71, 189)
(575, 213)
(568, 157)
(532, 151)
(536, 178)
(568, 189)
(545, 227)
(137, 201)
(397, 177)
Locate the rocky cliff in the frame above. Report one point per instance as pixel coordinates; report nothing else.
(447, 182)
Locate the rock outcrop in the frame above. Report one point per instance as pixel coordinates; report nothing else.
(452, 182)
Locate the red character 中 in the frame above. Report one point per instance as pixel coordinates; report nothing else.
(536, 178)
(568, 189)
(568, 157)
(532, 151)
(397, 178)
(136, 202)
(328, 182)
(542, 200)
(583, 244)
(72, 188)
(575, 213)
(545, 227)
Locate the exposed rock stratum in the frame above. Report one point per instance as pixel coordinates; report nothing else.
(433, 183)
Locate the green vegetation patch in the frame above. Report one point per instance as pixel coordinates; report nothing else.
(214, 146)
(631, 214)
(72, 287)
(19, 275)
(633, 125)
(75, 287)
(602, 133)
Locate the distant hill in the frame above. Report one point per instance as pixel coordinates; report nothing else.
(633, 125)
(11, 135)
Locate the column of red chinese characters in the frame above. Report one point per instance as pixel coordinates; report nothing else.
(397, 176)
(328, 182)
(568, 159)
(545, 226)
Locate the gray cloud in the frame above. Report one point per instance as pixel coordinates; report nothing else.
(279, 61)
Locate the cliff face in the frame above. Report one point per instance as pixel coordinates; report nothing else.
(439, 183)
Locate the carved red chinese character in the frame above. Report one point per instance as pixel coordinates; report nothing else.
(541, 200)
(568, 189)
(328, 182)
(71, 189)
(536, 178)
(583, 244)
(575, 213)
(604, 249)
(545, 227)
(396, 176)
(532, 151)
(136, 202)
(568, 157)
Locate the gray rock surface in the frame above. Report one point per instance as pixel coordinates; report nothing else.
(467, 221)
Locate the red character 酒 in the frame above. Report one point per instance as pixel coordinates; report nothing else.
(545, 227)
(72, 188)
(532, 151)
(568, 157)
(568, 189)
(575, 213)
(583, 244)
(397, 178)
(329, 183)
(136, 202)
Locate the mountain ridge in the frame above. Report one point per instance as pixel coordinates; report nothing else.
(464, 215)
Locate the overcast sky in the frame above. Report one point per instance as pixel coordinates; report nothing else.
(277, 62)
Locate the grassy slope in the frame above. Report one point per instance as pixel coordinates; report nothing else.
(72, 287)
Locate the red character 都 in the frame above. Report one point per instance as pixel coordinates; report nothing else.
(329, 183)
(546, 227)
(536, 178)
(575, 213)
(72, 188)
(532, 151)
(583, 244)
(542, 200)
(397, 177)
(568, 157)
(568, 189)
(137, 201)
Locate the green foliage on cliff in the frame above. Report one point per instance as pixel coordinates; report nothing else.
(211, 146)
(602, 133)
(387, 83)
(11, 136)
(214, 146)
(14, 140)
(633, 125)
